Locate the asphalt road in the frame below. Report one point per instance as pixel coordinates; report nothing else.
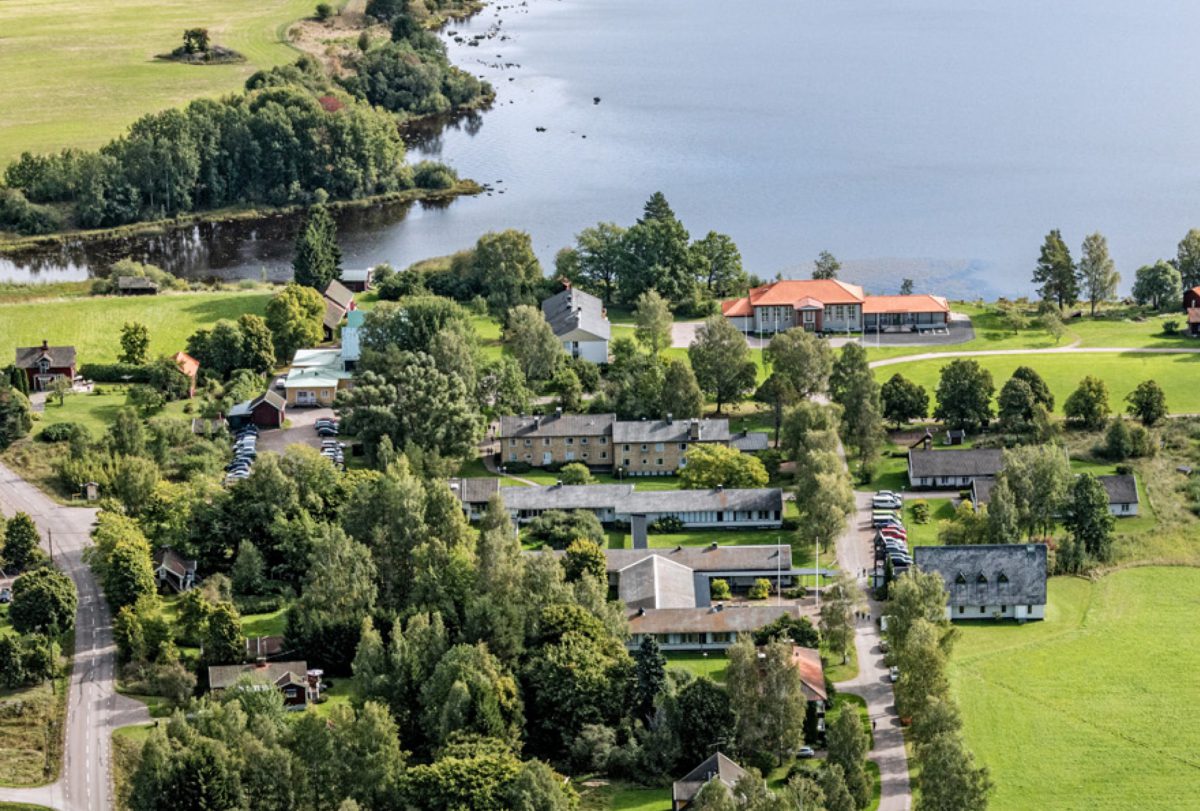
(94, 709)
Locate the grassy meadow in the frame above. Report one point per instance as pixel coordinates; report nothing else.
(93, 325)
(78, 74)
(1100, 691)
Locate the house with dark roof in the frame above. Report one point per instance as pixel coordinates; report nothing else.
(474, 493)
(298, 684)
(579, 322)
(933, 468)
(750, 441)
(1121, 489)
(556, 439)
(136, 286)
(718, 767)
(356, 280)
(45, 364)
(659, 447)
(714, 508)
(174, 570)
(989, 581)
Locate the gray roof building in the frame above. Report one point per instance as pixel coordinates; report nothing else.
(763, 499)
(475, 490)
(339, 294)
(749, 441)
(567, 497)
(988, 574)
(574, 311)
(58, 356)
(1121, 489)
(556, 425)
(657, 582)
(715, 619)
(693, 430)
(717, 767)
(619, 501)
(712, 558)
(924, 464)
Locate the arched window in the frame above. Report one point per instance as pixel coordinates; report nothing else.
(1002, 578)
(961, 580)
(981, 579)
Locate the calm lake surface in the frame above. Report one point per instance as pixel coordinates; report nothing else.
(936, 139)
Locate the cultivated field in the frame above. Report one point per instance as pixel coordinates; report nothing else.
(1093, 708)
(77, 74)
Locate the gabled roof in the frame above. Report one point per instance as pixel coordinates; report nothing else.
(567, 497)
(788, 291)
(711, 430)
(574, 309)
(657, 582)
(318, 377)
(334, 313)
(310, 358)
(270, 398)
(717, 767)
(812, 672)
(173, 562)
(737, 308)
(553, 425)
(187, 364)
(221, 677)
(474, 490)
(1121, 489)
(972, 462)
(768, 499)
(988, 574)
(339, 294)
(59, 356)
(748, 441)
(713, 558)
(922, 303)
(355, 275)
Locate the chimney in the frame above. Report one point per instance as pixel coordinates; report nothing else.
(720, 488)
(558, 411)
(927, 440)
(641, 612)
(558, 483)
(45, 345)
(719, 606)
(537, 421)
(670, 417)
(694, 430)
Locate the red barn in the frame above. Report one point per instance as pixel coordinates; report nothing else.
(44, 364)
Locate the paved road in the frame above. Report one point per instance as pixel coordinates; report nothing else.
(855, 554)
(94, 709)
(1073, 349)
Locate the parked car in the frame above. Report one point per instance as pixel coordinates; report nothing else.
(5, 595)
(894, 673)
(886, 520)
(890, 493)
(886, 503)
(883, 646)
(805, 753)
(893, 530)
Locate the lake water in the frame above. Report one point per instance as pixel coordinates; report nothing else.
(935, 139)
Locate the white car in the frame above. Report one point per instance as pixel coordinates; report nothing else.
(894, 673)
(890, 494)
(886, 503)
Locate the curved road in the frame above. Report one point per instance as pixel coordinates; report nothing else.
(1057, 350)
(94, 709)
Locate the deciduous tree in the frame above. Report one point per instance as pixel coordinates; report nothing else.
(652, 319)
(721, 360)
(1097, 271)
(1187, 258)
(949, 779)
(506, 269)
(964, 395)
(826, 266)
(43, 601)
(718, 265)
(1088, 518)
(714, 465)
(1158, 285)
(21, 541)
(1148, 402)
(294, 315)
(532, 343)
(1088, 404)
(135, 343)
(903, 401)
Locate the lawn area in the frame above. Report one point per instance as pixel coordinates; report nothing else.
(712, 664)
(93, 325)
(625, 797)
(940, 509)
(78, 76)
(1102, 691)
(488, 330)
(1120, 371)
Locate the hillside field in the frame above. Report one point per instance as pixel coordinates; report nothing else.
(77, 74)
(1094, 707)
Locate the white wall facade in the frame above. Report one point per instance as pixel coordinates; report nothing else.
(842, 318)
(1123, 510)
(1021, 613)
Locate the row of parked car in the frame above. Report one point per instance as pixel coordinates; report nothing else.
(331, 449)
(245, 451)
(891, 538)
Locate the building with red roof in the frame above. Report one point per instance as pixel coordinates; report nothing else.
(830, 305)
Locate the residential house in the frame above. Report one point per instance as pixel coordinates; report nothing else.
(136, 286)
(267, 410)
(474, 494)
(338, 302)
(298, 684)
(750, 441)
(579, 322)
(716, 508)
(659, 447)
(931, 468)
(189, 367)
(45, 364)
(557, 439)
(1122, 494)
(718, 767)
(989, 581)
(1191, 299)
(812, 681)
(357, 280)
(174, 570)
(315, 377)
(830, 305)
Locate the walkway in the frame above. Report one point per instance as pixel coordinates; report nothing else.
(94, 709)
(1057, 350)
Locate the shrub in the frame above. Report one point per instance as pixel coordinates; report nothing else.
(576, 473)
(668, 523)
(718, 589)
(63, 431)
(433, 175)
(1170, 327)
(795, 592)
(19, 215)
(115, 372)
(1141, 443)
(324, 11)
(517, 467)
(761, 589)
(920, 511)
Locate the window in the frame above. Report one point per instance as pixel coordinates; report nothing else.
(683, 446)
(658, 446)
(981, 579)
(512, 443)
(603, 454)
(1002, 578)
(658, 461)
(960, 580)
(625, 448)
(625, 463)
(546, 441)
(583, 441)
(604, 441)
(570, 440)
(512, 457)
(528, 442)
(585, 455)
(644, 447)
(1003, 609)
(962, 609)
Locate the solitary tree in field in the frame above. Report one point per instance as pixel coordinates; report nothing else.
(903, 400)
(1096, 270)
(826, 266)
(1187, 259)
(1158, 285)
(1041, 391)
(135, 343)
(195, 40)
(964, 395)
(1088, 404)
(1056, 273)
(1147, 402)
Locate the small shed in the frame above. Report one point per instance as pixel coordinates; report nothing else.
(268, 410)
(136, 286)
(356, 280)
(956, 436)
(174, 570)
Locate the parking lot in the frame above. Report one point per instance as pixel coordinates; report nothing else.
(300, 430)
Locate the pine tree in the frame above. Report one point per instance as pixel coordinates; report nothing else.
(318, 258)
(1056, 273)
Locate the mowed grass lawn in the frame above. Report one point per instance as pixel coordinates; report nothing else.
(1121, 372)
(93, 325)
(1095, 706)
(77, 74)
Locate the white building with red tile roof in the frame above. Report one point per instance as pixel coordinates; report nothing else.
(829, 305)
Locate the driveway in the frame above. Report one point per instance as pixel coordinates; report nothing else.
(94, 709)
(301, 430)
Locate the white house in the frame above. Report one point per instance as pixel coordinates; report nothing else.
(1122, 494)
(580, 323)
(930, 468)
(989, 581)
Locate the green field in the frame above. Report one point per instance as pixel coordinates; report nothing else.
(93, 325)
(78, 74)
(940, 509)
(1121, 371)
(1094, 707)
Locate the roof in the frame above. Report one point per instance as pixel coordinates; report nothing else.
(812, 672)
(476, 490)
(712, 558)
(270, 398)
(718, 766)
(355, 275)
(717, 498)
(567, 496)
(711, 430)
(717, 619)
(737, 308)
(657, 582)
(789, 291)
(921, 303)
(310, 358)
(1193, 314)
(136, 283)
(572, 310)
(241, 409)
(173, 562)
(988, 574)
(187, 364)
(338, 293)
(748, 441)
(223, 676)
(557, 425)
(334, 313)
(981, 490)
(319, 376)
(973, 462)
(1121, 489)
(59, 356)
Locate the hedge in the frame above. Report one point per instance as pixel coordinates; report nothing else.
(115, 372)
